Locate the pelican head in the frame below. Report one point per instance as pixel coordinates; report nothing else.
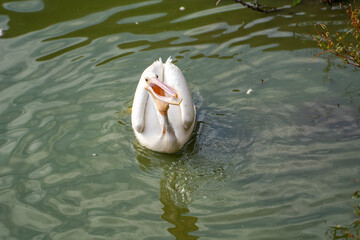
(163, 114)
(162, 93)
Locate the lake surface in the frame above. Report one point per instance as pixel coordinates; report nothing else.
(279, 163)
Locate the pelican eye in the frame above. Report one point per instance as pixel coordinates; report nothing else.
(157, 76)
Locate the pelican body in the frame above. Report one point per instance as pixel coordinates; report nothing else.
(163, 112)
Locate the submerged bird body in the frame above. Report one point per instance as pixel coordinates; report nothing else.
(163, 113)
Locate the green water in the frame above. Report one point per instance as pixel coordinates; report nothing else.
(280, 163)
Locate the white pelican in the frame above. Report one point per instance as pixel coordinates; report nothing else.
(164, 121)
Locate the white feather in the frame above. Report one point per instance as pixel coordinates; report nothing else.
(146, 120)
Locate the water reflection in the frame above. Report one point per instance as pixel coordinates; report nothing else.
(174, 195)
(135, 31)
(176, 189)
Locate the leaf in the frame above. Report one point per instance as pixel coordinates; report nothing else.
(356, 194)
(296, 2)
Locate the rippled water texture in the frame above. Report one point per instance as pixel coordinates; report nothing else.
(279, 163)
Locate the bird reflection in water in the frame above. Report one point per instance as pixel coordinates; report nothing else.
(176, 188)
(174, 214)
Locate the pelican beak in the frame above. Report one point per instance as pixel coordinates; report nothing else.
(163, 92)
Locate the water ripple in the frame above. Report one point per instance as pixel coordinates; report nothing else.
(207, 12)
(277, 162)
